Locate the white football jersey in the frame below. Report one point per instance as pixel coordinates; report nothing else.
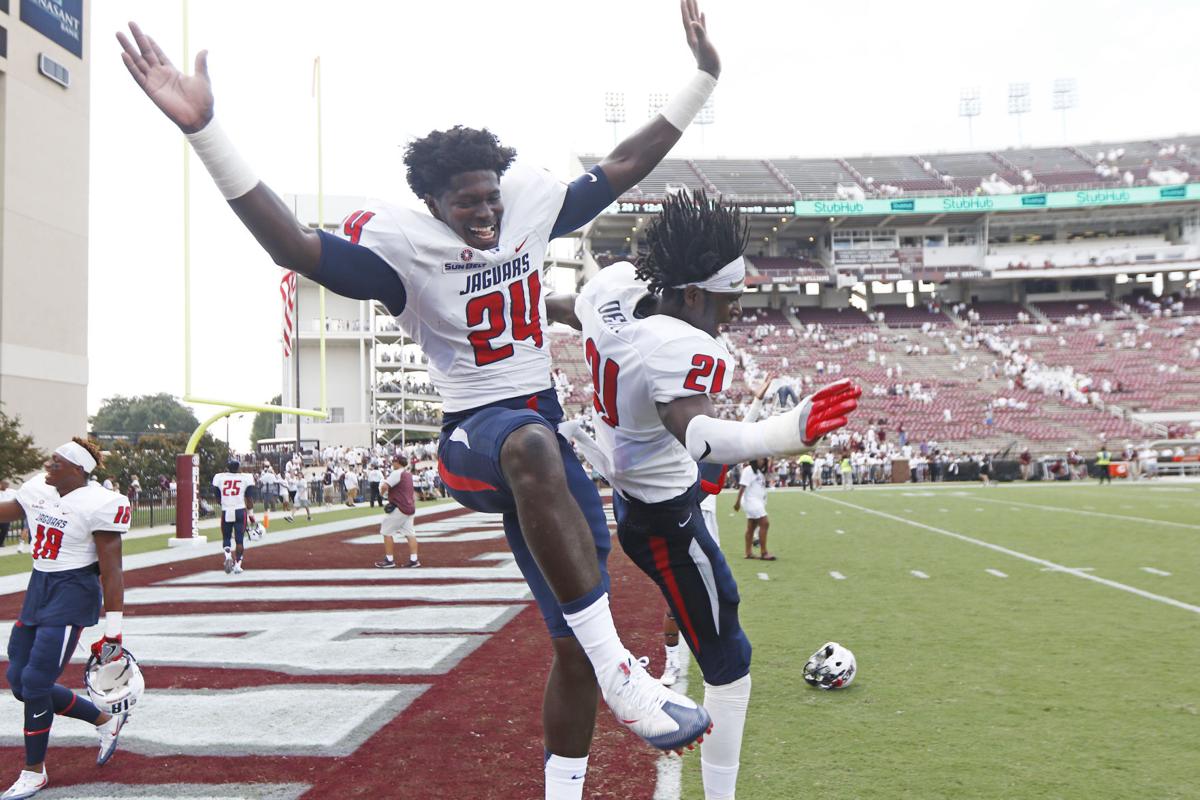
(635, 365)
(233, 486)
(479, 315)
(61, 528)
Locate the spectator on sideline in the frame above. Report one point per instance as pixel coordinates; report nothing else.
(1103, 459)
(374, 478)
(350, 481)
(398, 517)
(753, 483)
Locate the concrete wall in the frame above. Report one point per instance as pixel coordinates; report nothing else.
(43, 235)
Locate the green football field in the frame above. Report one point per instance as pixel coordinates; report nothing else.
(986, 669)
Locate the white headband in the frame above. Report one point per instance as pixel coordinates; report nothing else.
(77, 455)
(727, 280)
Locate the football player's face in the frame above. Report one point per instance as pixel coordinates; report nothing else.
(59, 471)
(471, 207)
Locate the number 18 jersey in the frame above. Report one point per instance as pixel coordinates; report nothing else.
(477, 314)
(61, 528)
(635, 365)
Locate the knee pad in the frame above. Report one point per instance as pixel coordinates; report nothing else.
(35, 684)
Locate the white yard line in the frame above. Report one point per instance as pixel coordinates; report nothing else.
(762, 576)
(918, 574)
(1159, 572)
(1089, 513)
(669, 767)
(996, 572)
(837, 576)
(1025, 557)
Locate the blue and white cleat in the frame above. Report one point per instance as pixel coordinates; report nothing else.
(109, 732)
(663, 718)
(29, 784)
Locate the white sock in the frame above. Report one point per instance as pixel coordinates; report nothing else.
(721, 751)
(594, 630)
(564, 777)
(413, 557)
(672, 654)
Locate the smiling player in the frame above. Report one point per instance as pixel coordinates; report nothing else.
(465, 283)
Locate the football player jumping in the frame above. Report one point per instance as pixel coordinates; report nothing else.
(465, 282)
(648, 336)
(76, 528)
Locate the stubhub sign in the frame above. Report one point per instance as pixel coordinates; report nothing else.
(998, 202)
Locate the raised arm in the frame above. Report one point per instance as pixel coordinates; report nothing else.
(187, 100)
(561, 308)
(634, 158)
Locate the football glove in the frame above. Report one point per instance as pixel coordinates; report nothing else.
(825, 410)
(107, 649)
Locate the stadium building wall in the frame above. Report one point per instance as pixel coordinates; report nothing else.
(44, 219)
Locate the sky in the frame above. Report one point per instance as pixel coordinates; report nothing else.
(798, 79)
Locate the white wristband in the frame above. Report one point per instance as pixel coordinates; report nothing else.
(112, 624)
(232, 174)
(688, 101)
(721, 441)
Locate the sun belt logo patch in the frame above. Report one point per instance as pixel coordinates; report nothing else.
(466, 254)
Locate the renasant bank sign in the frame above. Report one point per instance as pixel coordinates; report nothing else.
(61, 21)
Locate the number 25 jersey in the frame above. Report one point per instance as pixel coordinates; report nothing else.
(61, 528)
(635, 365)
(477, 314)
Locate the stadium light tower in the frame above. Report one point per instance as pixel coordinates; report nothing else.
(1066, 97)
(614, 111)
(1019, 102)
(969, 106)
(655, 102)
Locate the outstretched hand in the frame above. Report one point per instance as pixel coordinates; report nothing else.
(187, 100)
(695, 25)
(826, 409)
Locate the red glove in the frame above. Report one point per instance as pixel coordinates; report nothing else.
(825, 410)
(107, 649)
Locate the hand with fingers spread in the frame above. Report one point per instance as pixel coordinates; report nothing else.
(695, 25)
(826, 409)
(187, 100)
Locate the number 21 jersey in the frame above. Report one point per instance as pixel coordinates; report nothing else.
(637, 364)
(477, 314)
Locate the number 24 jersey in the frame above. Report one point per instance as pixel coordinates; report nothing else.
(477, 314)
(61, 528)
(637, 364)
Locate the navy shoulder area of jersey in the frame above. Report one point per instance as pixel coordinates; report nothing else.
(357, 272)
(587, 196)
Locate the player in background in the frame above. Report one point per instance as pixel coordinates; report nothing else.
(465, 283)
(655, 362)
(298, 492)
(401, 506)
(77, 528)
(236, 505)
(752, 495)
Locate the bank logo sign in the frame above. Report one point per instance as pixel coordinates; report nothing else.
(60, 21)
(1000, 202)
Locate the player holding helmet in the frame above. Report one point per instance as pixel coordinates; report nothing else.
(465, 283)
(649, 337)
(76, 528)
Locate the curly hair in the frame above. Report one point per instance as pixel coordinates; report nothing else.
(433, 160)
(92, 448)
(690, 240)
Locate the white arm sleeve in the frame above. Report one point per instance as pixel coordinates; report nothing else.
(719, 441)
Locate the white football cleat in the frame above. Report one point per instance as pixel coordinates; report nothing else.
(670, 673)
(663, 718)
(29, 784)
(109, 732)
(237, 568)
(228, 562)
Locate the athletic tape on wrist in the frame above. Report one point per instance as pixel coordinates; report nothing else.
(112, 624)
(687, 102)
(722, 441)
(231, 173)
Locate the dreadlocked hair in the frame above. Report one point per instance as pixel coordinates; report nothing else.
(438, 157)
(690, 241)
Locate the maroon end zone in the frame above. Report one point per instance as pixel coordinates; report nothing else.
(476, 732)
